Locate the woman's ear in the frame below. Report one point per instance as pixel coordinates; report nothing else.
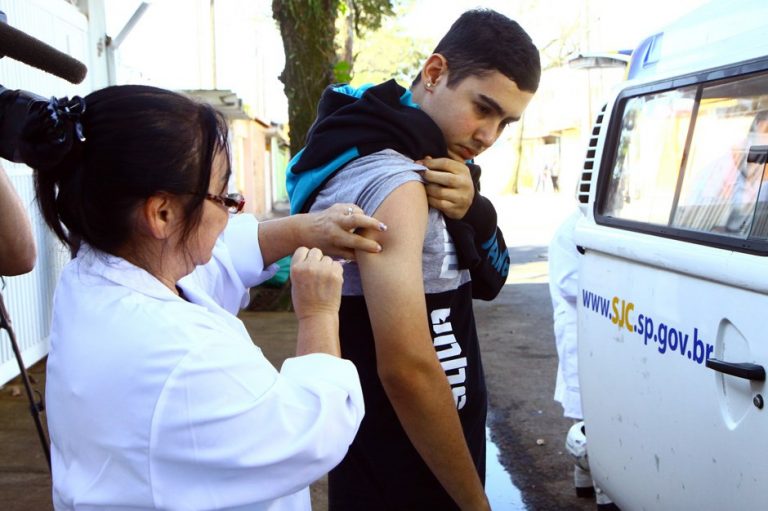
(435, 69)
(160, 215)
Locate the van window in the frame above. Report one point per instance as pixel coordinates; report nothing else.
(648, 157)
(694, 159)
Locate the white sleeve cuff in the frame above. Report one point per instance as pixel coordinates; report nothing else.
(242, 240)
(308, 369)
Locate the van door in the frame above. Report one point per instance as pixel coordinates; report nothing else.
(674, 295)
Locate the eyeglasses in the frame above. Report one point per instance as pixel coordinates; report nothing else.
(234, 202)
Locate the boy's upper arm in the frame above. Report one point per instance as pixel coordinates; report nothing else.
(392, 279)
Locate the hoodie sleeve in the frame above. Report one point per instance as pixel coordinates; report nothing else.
(480, 244)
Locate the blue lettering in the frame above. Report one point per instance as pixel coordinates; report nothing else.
(672, 339)
(491, 241)
(597, 303)
(698, 347)
(501, 262)
(662, 338)
(504, 271)
(666, 336)
(604, 307)
(493, 254)
(648, 329)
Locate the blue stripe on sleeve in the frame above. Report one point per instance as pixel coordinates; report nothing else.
(301, 186)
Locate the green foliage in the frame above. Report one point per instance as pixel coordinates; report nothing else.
(342, 72)
(368, 14)
(388, 53)
(308, 28)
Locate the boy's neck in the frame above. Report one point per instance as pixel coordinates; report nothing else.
(417, 93)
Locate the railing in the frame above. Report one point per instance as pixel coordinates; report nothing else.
(28, 298)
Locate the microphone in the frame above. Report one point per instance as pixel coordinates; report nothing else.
(19, 46)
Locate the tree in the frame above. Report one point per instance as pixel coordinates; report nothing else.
(308, 29)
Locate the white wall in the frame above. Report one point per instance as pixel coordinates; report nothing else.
(173, 43)
(28, 297)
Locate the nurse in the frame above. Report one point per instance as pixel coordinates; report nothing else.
(157, 397)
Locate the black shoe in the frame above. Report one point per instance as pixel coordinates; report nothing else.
(582, 481)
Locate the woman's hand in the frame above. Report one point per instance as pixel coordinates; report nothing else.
(315, 283)
(449, 186)
(316, 293)
(336, 231)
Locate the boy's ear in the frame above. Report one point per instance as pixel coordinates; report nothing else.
(435, 69)
(159, 216)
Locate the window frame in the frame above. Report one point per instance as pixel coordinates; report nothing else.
(698, 79)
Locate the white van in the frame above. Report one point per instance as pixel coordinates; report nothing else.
(673, 306)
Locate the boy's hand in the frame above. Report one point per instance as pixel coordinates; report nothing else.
(449, 186)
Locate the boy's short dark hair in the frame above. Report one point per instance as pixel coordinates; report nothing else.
(482, 41)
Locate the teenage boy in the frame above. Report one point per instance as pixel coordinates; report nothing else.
(406, 318)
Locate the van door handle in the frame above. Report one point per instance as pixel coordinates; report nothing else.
(744, 370)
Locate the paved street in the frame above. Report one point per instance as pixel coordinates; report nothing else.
(519, 356)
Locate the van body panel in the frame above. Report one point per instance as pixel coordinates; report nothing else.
(664, 431)
(714, 35)
(674, 277)
(714, 264)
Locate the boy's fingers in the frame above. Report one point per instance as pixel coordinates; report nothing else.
(438, 177)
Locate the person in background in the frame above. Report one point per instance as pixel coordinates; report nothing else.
(406, 316)
(554, 172)
(157, 397)
(17, 244)
(564, 260)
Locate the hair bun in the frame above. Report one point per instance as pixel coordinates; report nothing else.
(51, 130)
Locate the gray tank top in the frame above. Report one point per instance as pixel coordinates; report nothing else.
(366, 182)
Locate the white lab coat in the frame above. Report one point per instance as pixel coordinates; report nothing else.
(156, 402)
(564, 288)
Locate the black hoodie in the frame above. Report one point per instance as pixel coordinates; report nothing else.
(358, 122)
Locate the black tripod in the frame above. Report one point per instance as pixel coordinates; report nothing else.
(35, 405)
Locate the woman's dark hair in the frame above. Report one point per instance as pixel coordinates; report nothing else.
(139, 141)
(482, 41)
